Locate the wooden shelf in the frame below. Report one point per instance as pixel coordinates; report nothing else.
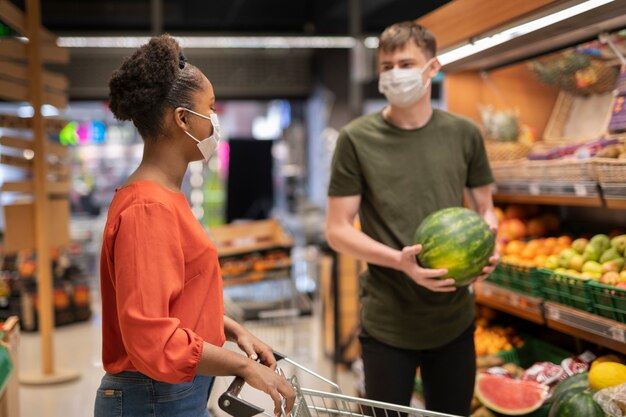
(528, 308)
(567, 320)
(590, 201)
(615, 203)
(590, 327)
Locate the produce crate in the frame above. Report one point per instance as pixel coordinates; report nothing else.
(565, 289)
(534, 350)
(247, 237)
(608, 301)
(579, 118)
(522, 279)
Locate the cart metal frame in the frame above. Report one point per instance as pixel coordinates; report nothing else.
(314, 403)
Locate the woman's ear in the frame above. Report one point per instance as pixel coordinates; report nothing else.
(180, 118)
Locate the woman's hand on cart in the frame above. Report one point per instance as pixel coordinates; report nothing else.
(275, 385)
(256, 350)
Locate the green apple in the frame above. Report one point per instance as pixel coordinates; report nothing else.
(591, 253)
(593, 267)
(601, 242)
(619, 243)
(580, 244)
(576, 262)
(552, 262)
(565, 256)
(609, 255)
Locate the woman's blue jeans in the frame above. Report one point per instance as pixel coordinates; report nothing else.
(133, 394)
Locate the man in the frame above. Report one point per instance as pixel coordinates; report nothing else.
(394, 168)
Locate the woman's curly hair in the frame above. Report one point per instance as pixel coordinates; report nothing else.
(152, 79)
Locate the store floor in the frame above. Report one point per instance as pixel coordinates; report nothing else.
(78, 347)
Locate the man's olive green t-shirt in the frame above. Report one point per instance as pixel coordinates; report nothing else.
(402, 176)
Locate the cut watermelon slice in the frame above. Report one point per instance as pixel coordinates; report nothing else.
(511, 397)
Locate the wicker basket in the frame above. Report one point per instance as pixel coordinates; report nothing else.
(560, 170)
(506, 151)
(507, 171)
(576, 73)
(610, 170)
(578, 118)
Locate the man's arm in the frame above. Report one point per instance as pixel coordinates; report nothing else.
(482, 201)
(343, 237)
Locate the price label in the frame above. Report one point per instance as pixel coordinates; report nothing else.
(554, 314)
(580, 190)
(534, 189)
(618, 333)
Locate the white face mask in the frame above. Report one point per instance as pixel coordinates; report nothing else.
(207, 145)
(404, 86)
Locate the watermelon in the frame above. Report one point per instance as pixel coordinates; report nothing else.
(511, 397)
(576, 402)
(573, 398)
(576, 382)
(457, 239)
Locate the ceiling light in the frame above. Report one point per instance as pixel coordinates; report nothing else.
(254, 42)
(517, 31)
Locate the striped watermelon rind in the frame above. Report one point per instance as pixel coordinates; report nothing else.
(457, 239)
(576, 403)
(573, 398)
(575, 382)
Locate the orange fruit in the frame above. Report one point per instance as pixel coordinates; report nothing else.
(565, 240)
(550, 242)
(529, 252)
(540, 260)
(514, 247)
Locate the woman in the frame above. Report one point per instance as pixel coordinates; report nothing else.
(163, 317)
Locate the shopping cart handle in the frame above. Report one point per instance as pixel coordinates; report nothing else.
(237, 407)
(230, 402)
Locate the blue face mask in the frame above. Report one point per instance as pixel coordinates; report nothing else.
(207, 145)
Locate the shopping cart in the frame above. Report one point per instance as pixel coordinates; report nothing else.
(314, 403)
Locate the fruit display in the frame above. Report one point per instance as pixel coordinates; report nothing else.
(543, 252)
(600, 258)
(512, 397)
(613, 151)
(255, 262)
(574, 398)
(490, 340)
(519, 222)
(457, 239)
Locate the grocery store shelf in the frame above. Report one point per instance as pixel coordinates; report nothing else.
(528, 308)
(586, 326)
(585, 194)
(255, 276)
(593, 201)
(615, 203)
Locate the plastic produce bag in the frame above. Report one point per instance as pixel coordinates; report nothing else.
(612, 400)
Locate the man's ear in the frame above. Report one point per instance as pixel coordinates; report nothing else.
(435, 67)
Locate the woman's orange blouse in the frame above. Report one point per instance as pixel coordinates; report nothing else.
(161, 285)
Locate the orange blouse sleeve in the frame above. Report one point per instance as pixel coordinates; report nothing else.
(149, 272)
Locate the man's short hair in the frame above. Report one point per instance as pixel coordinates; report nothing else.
(398, 34)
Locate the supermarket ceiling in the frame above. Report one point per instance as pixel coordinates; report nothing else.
(315, 17)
